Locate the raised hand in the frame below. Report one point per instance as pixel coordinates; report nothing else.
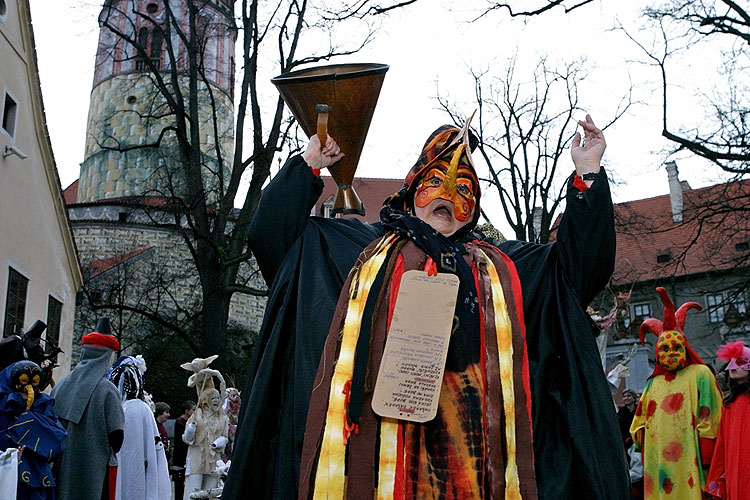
(317, 157)
(587, 153)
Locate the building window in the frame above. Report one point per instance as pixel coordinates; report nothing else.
(715, 308)
(54, 314)
(10, 110)
(3, 9)
(327, 208)
(15, 306)
(641, 312)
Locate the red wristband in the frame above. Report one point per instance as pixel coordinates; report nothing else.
(315, 171)
(579, 184)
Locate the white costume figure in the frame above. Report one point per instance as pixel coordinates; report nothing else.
(202, 377)
(206, 432)
(143, 472)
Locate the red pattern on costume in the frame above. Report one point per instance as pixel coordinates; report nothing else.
(673, 403)
(667, 485)
(648, 484)
(651, 409)
(672, 452)
(704, 412)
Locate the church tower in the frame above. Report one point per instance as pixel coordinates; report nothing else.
(130, 147)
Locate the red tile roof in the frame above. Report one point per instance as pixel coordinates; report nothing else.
(712, 237)
(70, 194)
(371, 191)
(99, 266)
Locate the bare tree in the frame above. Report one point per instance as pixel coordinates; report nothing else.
(524, 127)
(706, 115)
(535, 7)
(719, 131)
(203, 153)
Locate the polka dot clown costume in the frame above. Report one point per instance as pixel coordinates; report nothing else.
(677, 418)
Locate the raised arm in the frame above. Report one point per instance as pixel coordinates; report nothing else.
(286, 203)
(586, 236)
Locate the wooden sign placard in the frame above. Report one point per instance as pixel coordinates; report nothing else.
(411, 371)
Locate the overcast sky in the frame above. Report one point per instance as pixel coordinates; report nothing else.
(426, 47)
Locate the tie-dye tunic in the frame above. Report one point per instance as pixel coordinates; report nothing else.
(673, 414)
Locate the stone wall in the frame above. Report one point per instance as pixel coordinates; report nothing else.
(164, 263)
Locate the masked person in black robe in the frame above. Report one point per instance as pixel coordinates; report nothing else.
(479, 445)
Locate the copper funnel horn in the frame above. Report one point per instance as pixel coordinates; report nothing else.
(338, 100)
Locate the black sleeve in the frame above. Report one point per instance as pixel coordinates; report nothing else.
(282, 214)
(586, 238)
(116, 438)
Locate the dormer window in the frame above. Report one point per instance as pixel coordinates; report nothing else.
(663, 256)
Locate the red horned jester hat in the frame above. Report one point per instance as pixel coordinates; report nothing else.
(670, 333)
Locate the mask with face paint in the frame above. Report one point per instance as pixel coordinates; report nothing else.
(452, 178)
(671, 353)
(25, 377)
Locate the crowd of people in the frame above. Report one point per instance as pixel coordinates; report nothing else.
(99, 436)
(522, 408)
(684, 437)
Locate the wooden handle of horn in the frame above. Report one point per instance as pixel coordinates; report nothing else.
(322, 128)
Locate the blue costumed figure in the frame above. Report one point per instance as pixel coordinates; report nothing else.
(27, 420)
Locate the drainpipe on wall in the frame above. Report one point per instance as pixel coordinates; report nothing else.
(675, 192)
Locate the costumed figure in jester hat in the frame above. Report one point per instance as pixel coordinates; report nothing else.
(27, 421)
(729, 477)
(523, 409)
(90, 409)
(677, 418)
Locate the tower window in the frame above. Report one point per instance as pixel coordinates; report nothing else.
(9, 114)
(3, 8)
(156, 42)
(143, 38)
(131, 99)
(152, 8)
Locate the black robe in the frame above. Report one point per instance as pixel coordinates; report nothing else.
(306, 260)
